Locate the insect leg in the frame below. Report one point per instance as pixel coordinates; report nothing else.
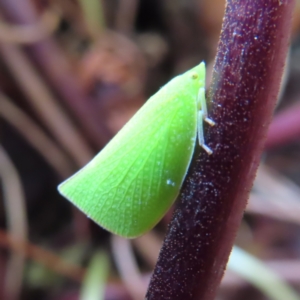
(200, 132)
(203, 106)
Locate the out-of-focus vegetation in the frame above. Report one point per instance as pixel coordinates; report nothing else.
(71, 74)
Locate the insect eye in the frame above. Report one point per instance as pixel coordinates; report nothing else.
(194, 75)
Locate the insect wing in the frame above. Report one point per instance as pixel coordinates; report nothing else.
(134, 180)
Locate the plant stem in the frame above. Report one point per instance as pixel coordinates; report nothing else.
(246, 80)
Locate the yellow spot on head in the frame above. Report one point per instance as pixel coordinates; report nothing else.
(194, 75)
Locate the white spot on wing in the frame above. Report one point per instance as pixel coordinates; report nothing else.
(170, 182)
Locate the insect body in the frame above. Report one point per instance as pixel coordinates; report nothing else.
(133, 181)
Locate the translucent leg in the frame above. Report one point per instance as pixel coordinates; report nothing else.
(201, 134)
(203, 106)
(202, 116)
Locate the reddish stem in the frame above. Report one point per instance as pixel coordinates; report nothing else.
(246, 80)
(285, 127)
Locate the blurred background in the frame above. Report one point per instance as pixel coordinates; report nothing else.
(72, 72)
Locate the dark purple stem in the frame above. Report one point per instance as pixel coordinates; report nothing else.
(246, 80)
